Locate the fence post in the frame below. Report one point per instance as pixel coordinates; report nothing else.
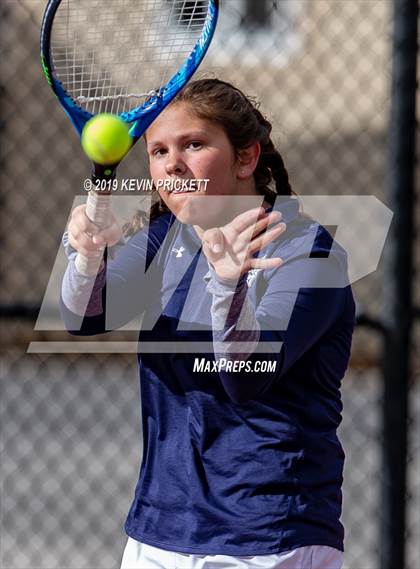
(398, 306)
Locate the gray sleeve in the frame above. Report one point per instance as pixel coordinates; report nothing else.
(236, 331)
(81, 295)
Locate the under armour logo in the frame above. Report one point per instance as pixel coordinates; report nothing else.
(178, 251)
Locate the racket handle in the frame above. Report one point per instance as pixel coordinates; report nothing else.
(97, 210)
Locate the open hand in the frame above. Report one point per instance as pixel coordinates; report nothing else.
(230, 248)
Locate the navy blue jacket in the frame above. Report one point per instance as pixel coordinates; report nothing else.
(236, 463)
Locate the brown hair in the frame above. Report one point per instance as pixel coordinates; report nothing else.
(239, 116)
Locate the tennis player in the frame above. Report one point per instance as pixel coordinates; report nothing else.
(242, 467)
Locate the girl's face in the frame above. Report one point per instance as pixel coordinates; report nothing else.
(183, 147)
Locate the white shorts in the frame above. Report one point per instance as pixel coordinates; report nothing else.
(141, 556)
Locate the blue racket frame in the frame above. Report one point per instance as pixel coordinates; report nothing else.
(143, 115)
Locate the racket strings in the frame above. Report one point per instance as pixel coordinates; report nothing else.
(110, 55)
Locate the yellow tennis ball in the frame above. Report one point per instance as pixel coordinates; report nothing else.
(105, 139)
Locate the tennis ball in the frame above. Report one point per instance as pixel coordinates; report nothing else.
(105, 139)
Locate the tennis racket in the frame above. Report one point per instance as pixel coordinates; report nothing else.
(125, 57)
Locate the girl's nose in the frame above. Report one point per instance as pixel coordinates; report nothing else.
(175, 165)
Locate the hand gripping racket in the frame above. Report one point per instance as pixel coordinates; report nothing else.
(125, 57)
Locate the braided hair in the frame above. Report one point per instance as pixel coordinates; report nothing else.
(222, 103)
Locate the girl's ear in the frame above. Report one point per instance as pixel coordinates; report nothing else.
(247, 160)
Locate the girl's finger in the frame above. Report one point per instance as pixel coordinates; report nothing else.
(252, 231)
(214, 242)
(246, 219)
(79, 240)
(87, 252)
(259, 242)
(265, 263)
(82, 222)
(209, 253)
(109, 236)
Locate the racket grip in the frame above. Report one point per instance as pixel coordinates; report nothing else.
(97, 210)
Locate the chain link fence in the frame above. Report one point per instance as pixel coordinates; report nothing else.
(70, 423)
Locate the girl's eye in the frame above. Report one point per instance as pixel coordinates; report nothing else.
(195, 145)
(158, 152)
